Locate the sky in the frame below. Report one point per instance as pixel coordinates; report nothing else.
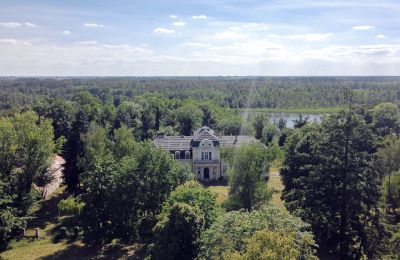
(199, 37)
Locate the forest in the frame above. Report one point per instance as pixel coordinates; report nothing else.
(232, 92)
(341, 176)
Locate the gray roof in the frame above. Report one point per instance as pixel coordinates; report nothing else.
(183, 143)
(174, 143)
(229, 140)
(204, 133)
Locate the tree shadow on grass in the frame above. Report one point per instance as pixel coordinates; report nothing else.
(48, 212)
(91, 252)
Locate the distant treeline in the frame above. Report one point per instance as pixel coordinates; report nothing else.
(233, 92)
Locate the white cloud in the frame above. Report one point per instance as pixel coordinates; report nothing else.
(172, 16)
(196, 44)
(87, 43)
(30, 25)
(380, 36)
(93, 25)
(312, 37)
(200, 17)
(163, 30)
(229, 35)
(66, 32)
(10, 25)
(250, 27)
(246, 57)
(363, 27)
(179, 23)
(11, 41)
(14, 41)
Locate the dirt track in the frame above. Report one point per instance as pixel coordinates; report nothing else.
(56, 168)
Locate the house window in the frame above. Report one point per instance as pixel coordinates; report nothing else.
(177, 155)
(206, 155)
(187, 155)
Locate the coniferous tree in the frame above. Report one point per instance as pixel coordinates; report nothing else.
(331, 182)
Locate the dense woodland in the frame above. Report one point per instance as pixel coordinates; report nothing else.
(341, 176)
(233, 92)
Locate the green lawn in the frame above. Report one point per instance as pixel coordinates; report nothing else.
(274, 183)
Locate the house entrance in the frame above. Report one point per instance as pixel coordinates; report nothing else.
(206, 173)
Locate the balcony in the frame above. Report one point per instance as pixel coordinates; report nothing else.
(206, 161)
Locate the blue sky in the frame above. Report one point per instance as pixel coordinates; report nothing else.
(207, 37)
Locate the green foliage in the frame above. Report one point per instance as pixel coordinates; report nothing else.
(230, 232)
(275, 153)
(27, 146)
(61, 114)
(230, 124)
(88, 114)
(391, 193)
(10, 220)
(130, 115)
(71, 206)
(258, 124)
(386, 119)
(267, 245)
(177, 234)
(189, 118)
(227, 152)
(267, 92)
(330, 181)
(388, 162)
(247, 167)
(194, 194)
(123, 195)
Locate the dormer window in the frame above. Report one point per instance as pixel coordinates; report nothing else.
(177, 155)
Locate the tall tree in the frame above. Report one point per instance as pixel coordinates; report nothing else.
(232, 232)
(247, 167)
(386, 119)
(258, 124)
(26, 150)
(189, 118)
(88, 113)
(330, 181)
(177, 234)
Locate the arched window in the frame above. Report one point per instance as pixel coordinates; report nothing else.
(177, 155)
(187, 155)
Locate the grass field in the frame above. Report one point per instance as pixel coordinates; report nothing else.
(274, 183)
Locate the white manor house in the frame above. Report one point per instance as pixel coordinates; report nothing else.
(202, 151)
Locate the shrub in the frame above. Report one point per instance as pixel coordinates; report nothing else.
(70, 207)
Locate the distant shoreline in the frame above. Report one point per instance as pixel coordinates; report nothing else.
(320, 110)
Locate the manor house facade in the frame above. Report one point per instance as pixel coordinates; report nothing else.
(202, 151)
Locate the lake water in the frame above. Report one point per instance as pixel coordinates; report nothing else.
(290, 117)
